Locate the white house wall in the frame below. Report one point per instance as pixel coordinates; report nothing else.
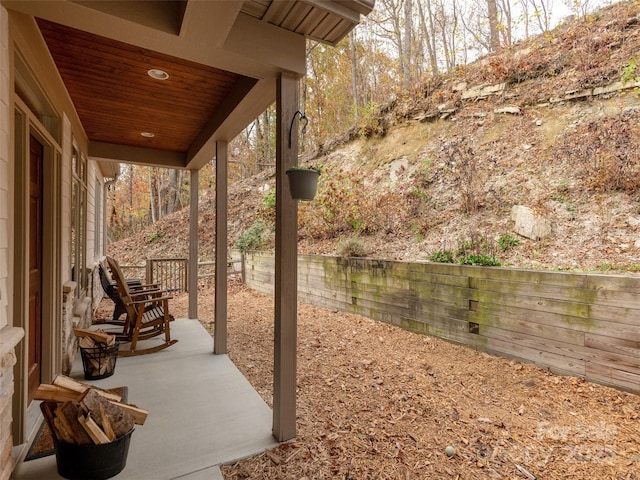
(4, 164)
(9, 336)
(62, 310)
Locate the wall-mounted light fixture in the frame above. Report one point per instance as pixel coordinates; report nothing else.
(303, 118)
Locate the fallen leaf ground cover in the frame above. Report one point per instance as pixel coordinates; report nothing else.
(378, 402)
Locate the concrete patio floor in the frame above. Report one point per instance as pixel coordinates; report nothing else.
(202, 412)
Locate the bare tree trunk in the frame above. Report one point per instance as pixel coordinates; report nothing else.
(129, 221)
(259, 148)
(179, 202)
(442, 20)
(524, 5)
(453, 38)
(505, 10)
(448, 27)
(161, 192)
(429, 36)
(354, 76)
(579, 7)
(266, 140)
(393, 8)
(494, 34)
(302, 147)
(476, 33)
(403, 62)
(542, 13)
(408, 42)
(114, 224)
(174, 194)
(320, 101)
(152, 197)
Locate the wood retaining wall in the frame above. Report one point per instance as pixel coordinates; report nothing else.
(584, 325)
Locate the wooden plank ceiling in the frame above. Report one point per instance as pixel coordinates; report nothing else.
(117, 100)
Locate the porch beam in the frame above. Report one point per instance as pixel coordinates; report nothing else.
(137, 155)
(286, 263)
(194, 187)
(256, 101)
(231, 101)
(220, 326)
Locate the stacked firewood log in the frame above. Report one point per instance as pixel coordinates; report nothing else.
(82, 414)
(93, 338)
(97, 346)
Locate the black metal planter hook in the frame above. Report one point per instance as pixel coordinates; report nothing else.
(303, 118)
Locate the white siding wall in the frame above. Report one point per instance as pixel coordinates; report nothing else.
(9, 336)
(4, 165)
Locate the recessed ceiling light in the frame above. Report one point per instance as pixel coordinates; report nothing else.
(158, 74)
(148, 134)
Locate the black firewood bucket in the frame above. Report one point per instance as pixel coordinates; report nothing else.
(92, 462)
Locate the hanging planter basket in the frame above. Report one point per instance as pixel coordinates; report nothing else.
(303, 183)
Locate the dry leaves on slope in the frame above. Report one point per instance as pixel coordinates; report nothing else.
(377, 402)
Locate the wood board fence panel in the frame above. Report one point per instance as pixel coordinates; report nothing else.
(585, 325)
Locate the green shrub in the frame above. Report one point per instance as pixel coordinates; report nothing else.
(482, 259)
(605, 267)
(442, 256)
(269, 200)
(463, 247)
(508, 241)
(371, 121)
(352, 247)
(629, 71)
(267, 210)
(477, 251)
(251, 238)
(154, 237)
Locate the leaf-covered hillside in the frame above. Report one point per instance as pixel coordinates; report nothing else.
(552, 124)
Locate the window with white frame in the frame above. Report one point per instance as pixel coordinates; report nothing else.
(98, 219)
(78, 220)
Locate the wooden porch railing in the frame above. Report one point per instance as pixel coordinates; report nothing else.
(172, 273)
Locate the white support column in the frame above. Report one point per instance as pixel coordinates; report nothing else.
(220, 326)
(194, 187)
(286, 268)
